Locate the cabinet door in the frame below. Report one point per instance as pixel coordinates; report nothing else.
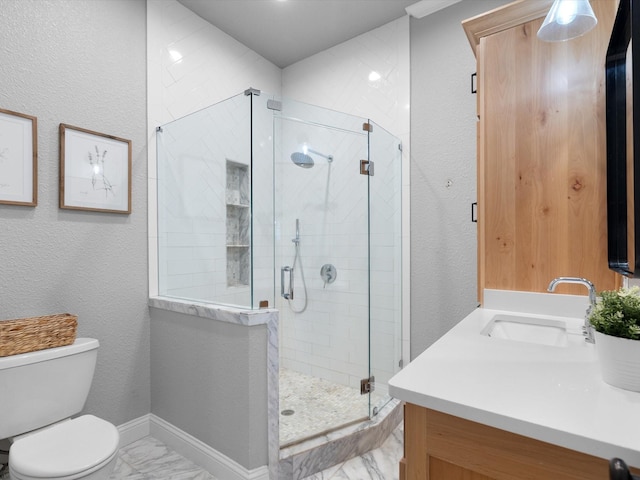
(542, 165)
(439, 446)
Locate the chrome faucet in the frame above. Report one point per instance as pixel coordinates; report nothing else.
(587, 329)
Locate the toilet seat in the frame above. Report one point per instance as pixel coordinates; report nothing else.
(68, 450)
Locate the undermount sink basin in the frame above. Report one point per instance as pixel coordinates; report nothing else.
(541, 331)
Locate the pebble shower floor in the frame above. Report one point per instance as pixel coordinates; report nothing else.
(318, 406)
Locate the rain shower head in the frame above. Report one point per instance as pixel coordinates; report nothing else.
(304, 160)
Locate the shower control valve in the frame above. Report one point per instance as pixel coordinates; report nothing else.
(328, 273)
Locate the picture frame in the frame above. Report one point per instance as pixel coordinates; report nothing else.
(18, 159)
(95, 171)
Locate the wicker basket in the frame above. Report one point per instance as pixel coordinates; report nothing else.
(37, 333)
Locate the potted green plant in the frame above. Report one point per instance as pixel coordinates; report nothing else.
(616, 321)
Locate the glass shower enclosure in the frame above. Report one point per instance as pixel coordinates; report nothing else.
(267, 202)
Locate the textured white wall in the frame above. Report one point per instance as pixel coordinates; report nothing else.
(443, 148)
(81, 63)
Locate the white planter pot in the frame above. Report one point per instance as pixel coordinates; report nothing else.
(619, 360)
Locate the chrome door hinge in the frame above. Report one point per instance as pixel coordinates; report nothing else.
(366, 168)
(367, 385)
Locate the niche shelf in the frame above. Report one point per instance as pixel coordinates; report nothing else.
(238, 224)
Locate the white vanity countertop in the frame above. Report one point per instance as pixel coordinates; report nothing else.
(553, 394)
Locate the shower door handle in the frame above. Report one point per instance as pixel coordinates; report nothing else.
(289, 293)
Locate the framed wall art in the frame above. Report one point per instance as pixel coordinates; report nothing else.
(95, 171)
(18, 158)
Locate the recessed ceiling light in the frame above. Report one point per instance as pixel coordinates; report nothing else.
(176, 56)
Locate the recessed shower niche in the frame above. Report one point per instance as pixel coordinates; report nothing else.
(238, 224)
(255, 195)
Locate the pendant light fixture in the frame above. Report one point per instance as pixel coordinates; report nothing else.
(567, 19)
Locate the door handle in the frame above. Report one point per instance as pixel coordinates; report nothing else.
(289, 293)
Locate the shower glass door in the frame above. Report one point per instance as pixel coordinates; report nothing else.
(322, 269)
(385, 223)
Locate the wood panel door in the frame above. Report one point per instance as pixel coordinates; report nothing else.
(542, 158)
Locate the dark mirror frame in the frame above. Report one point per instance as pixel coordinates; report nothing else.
(623, 33)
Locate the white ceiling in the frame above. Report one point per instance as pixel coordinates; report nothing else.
(286, 31)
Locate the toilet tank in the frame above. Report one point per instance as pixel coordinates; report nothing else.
(43, 387)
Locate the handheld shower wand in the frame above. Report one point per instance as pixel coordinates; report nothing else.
(297, 239)
(296, 261)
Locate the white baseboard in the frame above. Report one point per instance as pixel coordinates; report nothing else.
(134, 430)
(217, 464)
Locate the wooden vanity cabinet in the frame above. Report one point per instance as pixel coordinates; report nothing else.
(444, 447)
(542, 206)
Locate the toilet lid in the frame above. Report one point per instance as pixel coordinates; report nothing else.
(65, 449)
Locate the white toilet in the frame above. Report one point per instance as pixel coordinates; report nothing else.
(40, 392)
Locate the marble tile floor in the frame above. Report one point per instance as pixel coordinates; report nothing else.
(149, 459)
